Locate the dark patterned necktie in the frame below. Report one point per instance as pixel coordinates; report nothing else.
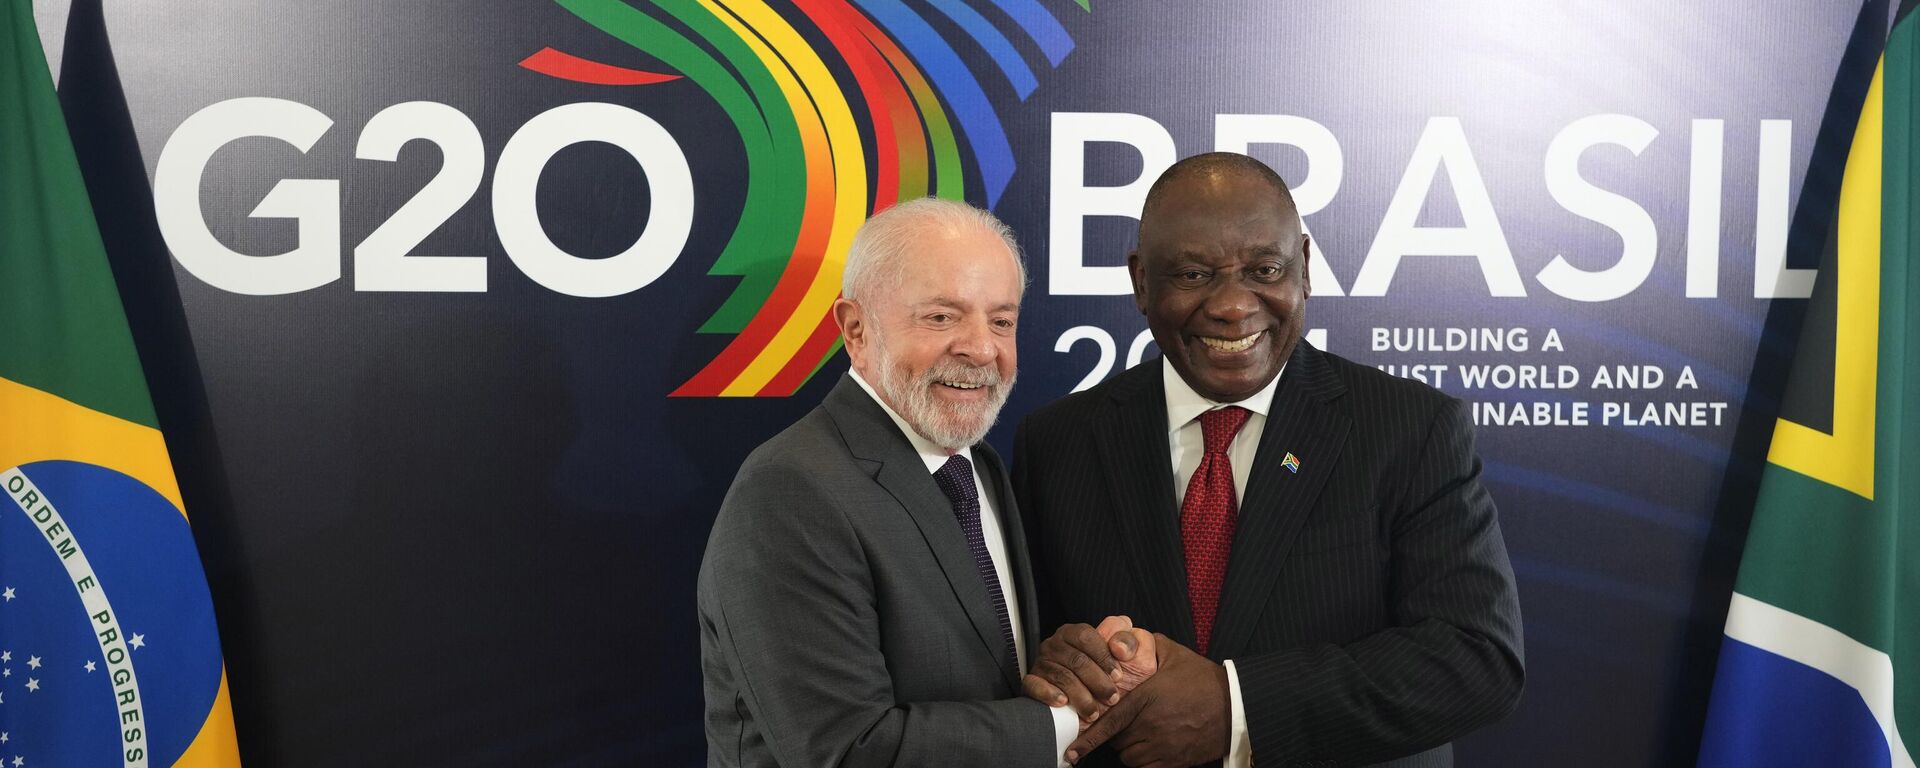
(956, 481)
(1207, 519)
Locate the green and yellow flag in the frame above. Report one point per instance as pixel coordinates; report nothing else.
(1821, 660)
(109, 655)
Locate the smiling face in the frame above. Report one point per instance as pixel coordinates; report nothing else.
(938, 345)
(1221, 275)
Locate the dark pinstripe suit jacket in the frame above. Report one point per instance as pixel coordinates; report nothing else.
(1369, 607)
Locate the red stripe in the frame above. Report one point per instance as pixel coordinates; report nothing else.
(789, 379)
(912, 134)
(882, 93)
(816, 224)
(567, 66)
(916, 84)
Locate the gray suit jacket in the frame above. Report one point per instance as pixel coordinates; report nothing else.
(842, 619)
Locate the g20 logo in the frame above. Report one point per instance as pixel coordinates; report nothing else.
(385, 260)
(841, 107)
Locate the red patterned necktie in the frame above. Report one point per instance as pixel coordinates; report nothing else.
(1206, 519)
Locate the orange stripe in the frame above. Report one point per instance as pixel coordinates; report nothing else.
(816, 221)
(849, 189)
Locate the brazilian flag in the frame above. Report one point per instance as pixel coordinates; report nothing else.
(108, 650)
(1821, 660)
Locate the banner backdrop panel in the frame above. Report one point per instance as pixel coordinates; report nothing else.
(481, 304)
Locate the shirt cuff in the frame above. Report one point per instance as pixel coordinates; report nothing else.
(1066, 726)
(1239, 746)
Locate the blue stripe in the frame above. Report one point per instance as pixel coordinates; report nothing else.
(956, 85)
(1042, 27)
(997, 46)
(1769, 711)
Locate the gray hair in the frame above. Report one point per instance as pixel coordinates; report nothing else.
(873, 259)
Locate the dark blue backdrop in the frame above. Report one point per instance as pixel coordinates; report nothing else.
(463, 527)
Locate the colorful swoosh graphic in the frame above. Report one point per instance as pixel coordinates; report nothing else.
(812, 177)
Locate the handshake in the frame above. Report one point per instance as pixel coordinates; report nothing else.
(1158, 702)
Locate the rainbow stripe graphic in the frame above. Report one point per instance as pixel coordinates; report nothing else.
(812, 178)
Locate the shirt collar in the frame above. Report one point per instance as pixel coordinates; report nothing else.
(1184, 405)
(931, 453)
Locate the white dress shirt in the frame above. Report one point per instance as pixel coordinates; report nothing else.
(1187, 445)
(1066, 724)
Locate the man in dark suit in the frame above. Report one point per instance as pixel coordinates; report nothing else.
(865, 599)
(1310, 534)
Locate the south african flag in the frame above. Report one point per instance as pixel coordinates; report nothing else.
(1821, 660)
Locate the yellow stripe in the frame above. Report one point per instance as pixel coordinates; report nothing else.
(36, 426)
(216, 746)
(850, 193)
(813, 141)
(1845, 458)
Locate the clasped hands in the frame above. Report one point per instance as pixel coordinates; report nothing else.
(1158, 702)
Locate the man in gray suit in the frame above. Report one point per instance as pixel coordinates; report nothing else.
(866, 598)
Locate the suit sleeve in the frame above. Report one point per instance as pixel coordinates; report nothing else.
(790, 598)
(1451, 663)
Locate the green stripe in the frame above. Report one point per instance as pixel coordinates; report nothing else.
(763, 238)
(1822, 552)
(62, 329)
(949, 180)
(1897, 455)
(776, 219)
(1897, 449)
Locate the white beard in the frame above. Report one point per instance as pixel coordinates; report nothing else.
(950, 426)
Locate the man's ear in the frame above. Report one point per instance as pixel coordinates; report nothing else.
(1306, 264)
(1136, 269)
(853, 328)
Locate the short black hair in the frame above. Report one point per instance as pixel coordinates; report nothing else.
(1213, 163)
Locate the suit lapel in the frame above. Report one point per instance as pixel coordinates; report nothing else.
(1139, 471)
(871, 435)
(1302, 422)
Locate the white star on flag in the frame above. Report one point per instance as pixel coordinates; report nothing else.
(19, 761)
(89, 666)
(3, 737)
(33, 662)
(7, 593)
(33, 684)
(138, 641)
(6, 656)
(6, 673)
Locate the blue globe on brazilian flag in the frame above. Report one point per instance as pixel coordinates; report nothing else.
(109, 654)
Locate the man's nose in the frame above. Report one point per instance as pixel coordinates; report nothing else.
(973, 341)
(1231, 301)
